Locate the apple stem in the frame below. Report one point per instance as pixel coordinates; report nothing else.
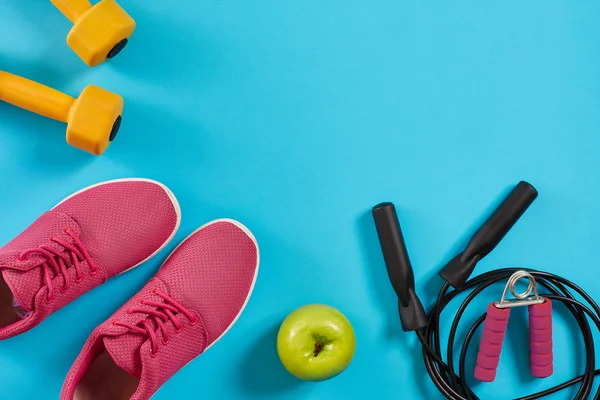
(318, 347)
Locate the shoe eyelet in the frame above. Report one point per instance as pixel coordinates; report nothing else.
(154, 291)
(153, 354)
(65, 229)
(93, 272)
(142, 303)
(178, 330)
(78, 279)
(130, 311)
(48, 299)
(63, 289)
(195, 321)
(165, 342)
(115, 322)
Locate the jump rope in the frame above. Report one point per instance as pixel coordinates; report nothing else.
(441, 368)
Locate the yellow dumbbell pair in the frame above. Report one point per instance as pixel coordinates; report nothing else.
(100, 32)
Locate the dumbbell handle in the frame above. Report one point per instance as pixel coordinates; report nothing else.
(35, 97)
(72, 9)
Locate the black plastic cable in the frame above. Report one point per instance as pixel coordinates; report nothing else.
(453, 385)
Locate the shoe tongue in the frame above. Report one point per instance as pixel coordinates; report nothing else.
(124, 347)
(125, 352)
(25, 283)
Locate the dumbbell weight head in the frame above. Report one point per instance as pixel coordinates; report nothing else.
(101, 32)
(94, 120)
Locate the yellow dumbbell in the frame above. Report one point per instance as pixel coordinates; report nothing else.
(100, 31)
(93, 120)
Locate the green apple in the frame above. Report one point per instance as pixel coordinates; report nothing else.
(316, 342)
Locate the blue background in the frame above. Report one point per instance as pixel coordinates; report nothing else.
(296, 117)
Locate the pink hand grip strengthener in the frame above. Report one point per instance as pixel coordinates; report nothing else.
(488, 357)
(496, 322)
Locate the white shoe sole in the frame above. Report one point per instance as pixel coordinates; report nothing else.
(251, 236)
(172, 197)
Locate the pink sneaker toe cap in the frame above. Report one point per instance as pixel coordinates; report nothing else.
(124, 222)
(213, 271)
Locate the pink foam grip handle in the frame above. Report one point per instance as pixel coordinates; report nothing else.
(540, 339)
(488, 357)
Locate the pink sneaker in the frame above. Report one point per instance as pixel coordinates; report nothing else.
(196, 296)
(90, 236)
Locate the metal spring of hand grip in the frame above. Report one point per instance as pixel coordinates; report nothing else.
(521, 299)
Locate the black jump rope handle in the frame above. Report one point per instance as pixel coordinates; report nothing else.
(459, 269)
(395, 255)
(487, 237)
